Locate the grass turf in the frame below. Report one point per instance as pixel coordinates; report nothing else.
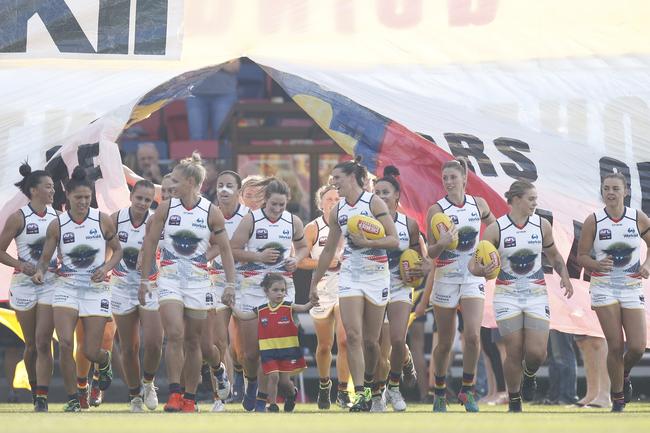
(307, 419)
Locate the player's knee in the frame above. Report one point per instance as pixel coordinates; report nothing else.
(324, 348)
(354, 338)
(615, 348)
(472, 339)
(635, 351)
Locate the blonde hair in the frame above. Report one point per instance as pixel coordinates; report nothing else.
(459, 164)
(518, 189)
(192, 167)
(321, 193)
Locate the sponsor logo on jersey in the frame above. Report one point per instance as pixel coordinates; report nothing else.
(534, 239)
(481, 288)
(123, 236)
(364, 212)
(322, 241)
(384, 293)
(93, 234)
(474, 217)
(403, 236)
(509, 242)
(631, 233)
(199, 223)
(343, 220)
(454, 219)
(261, 234)
(103, 304)
(284, 320)
(68, 238)
(264, 322)
(605, 234)
(31, 229)
(286, 234)
(209, 299)
(175, 220)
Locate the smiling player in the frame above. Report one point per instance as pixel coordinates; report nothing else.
(615, 234)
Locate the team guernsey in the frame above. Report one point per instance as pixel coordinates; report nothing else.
(125, 280)
(399, 292)
(82, 246)
(23, 294)
(265, 234)
(217, 271)
(278, 339)
(183, 275)
(328, 286)
(520, 285)
(453, 280)
(364, 271)
(621, 241)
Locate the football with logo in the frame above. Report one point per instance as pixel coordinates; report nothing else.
(440, 222)
(370, 226)
(486, 253)
(410, 259)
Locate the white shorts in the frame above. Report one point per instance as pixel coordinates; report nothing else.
(328, 297)
(251, 294)
(24, 295)
(506, 308)
(401, 293)
(123, 302)
(201, 299)
(88, 302)
(448, 295)
(633, 299)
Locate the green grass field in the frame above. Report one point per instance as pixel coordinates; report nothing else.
(307, 419)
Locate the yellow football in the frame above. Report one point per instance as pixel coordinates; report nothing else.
(486, 253)
(439, 222)
(370, 226)
(408, 260)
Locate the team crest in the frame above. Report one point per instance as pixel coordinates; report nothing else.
(261, 234)
(605, 234)
(175, 220)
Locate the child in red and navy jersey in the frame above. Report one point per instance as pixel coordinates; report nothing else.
(280, 351)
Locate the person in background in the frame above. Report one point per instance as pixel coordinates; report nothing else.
(148, 162)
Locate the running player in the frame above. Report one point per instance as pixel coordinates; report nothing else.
(191, 225)
(454, 286)
(263, 243)
(399, 306)
(32, 303)
(129, 315)
(364, 279)
(615, 234)
(327, 316)
(520, 297)
(279, 347)
(214, 341)
(86, 240)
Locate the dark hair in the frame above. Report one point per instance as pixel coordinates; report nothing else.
(77, 179)
(518, 189)
(390, 175)
(144, 183)
(272, 278)
(459, 164)
(354, 167)
(30, 179)
(273, 185)
(233, 174)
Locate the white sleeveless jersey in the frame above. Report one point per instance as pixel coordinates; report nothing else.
(363, 264)
(451, 265)
(183, 261)
(393, 255)
(83, 248)
(231, 225)
(319, 244)
(125, 275)
(621, 240)
(30, 241)
(520, 249)
(269, 234)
